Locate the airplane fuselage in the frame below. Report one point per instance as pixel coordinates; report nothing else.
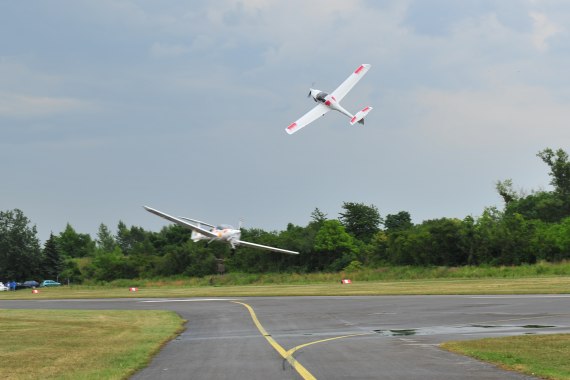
(224, 233)
(329, 101)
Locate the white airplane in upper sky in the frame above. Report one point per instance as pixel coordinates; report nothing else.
(332, 102)
(223, 232)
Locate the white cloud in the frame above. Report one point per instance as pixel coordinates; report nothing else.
(502, 118)
(543, 29)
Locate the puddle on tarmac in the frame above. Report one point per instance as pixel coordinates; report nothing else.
(456, 329)
(405, 332)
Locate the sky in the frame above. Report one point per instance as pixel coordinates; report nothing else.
(106, 106)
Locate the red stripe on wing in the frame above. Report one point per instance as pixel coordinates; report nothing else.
(357, 71)
(292, 126)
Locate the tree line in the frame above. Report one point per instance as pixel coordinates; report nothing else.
(529, 228)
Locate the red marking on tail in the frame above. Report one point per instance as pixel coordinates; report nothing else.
(352, 120)
(365, 109)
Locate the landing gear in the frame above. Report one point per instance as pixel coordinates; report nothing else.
(221, 266)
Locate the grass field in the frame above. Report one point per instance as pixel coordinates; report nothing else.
(546, 356)
(529, 285)
(77, 344)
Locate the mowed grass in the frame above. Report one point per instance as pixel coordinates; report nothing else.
(528, 285)
(546, 356)
(81, 344)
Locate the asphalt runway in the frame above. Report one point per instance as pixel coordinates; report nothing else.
(384, 337)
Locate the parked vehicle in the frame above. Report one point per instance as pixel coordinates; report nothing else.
(27, 285)
(49, 283)
(3, 288)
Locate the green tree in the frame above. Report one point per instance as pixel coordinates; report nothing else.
(409, 247)
(360, 220)
(317, 216)
(127, 239)
(52, 264)
(506, 191)
(467, 239)
(514, 240)
(541, 205)
(71, 272)
(300, 239)
(73, 244)
(559, 170)
(20, 253)
(552, 241)
(108, 266)
(398, 222)
(486, 236)
(445, 244)
(378, 249)
(433, 242)
(105, 239)
(335, 247)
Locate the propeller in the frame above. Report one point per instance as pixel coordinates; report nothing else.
(312, 86)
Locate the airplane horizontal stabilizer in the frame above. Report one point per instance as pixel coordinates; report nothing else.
(359, 117)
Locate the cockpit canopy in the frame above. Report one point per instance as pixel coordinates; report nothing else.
(224, 227)
(321, 96)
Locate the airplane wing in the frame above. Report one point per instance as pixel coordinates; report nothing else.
(349, 83)
(180, 222)
(266, 247)
(319, 110)
(197, 221)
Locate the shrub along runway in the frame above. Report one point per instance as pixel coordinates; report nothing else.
(334, 337)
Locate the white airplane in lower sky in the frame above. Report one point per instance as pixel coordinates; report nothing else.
(223, 232)
(332, 102)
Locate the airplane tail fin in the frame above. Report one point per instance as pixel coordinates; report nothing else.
(196, 236)
(359, 117)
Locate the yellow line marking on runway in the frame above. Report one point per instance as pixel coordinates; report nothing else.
(288, 355)
(292, 351)
(294, 363)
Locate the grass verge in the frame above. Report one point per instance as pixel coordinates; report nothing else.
(546, 356)
(81, 344)
(538, 285)
(390, 273)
